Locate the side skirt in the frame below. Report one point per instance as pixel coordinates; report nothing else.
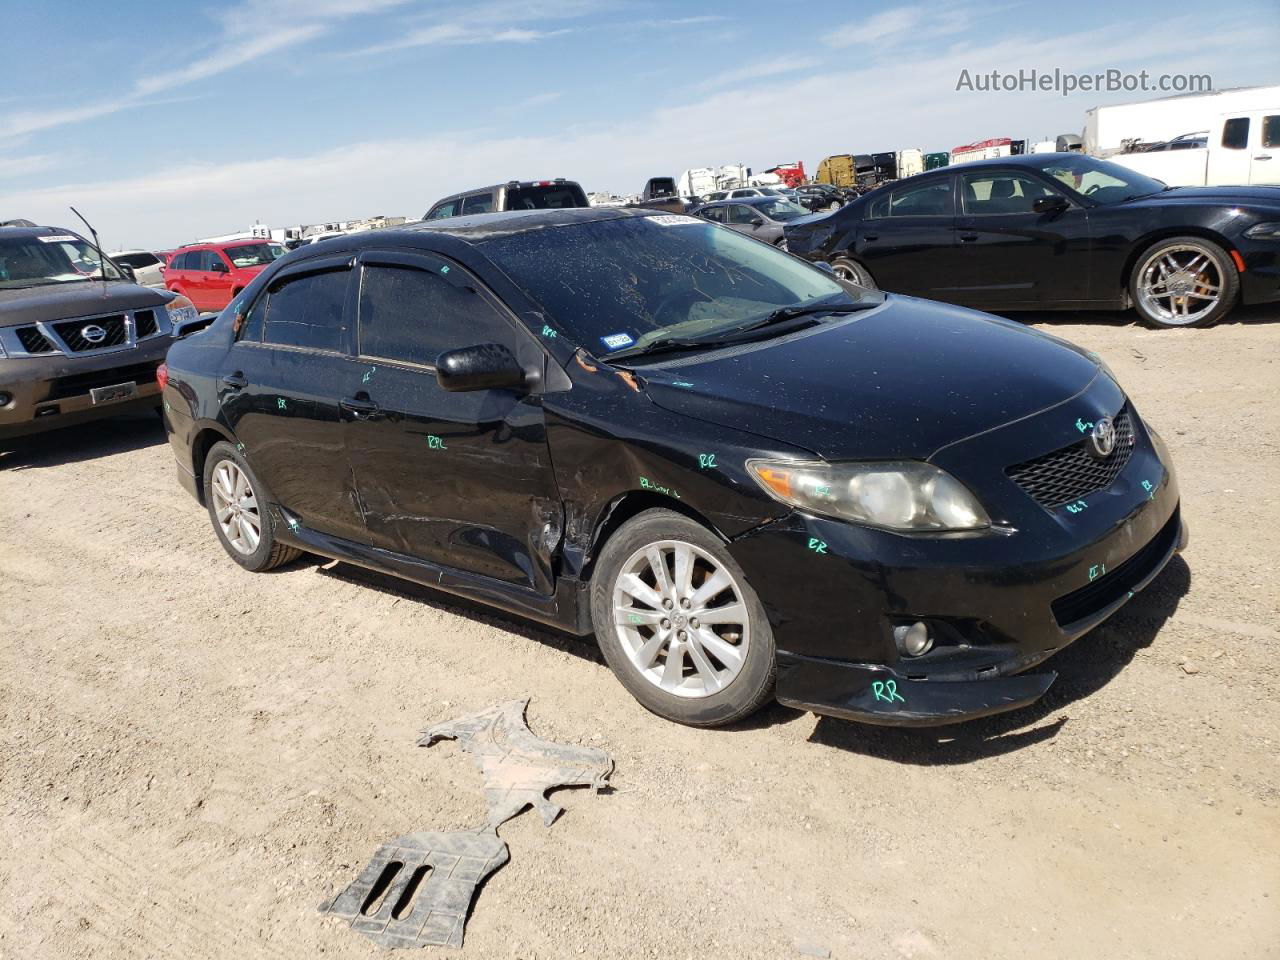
(567, 609)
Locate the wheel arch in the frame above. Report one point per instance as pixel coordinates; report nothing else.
(630, 504)
(1150, 239)
(205, 436)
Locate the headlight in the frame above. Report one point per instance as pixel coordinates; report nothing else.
(181, 310)
(901, 495)
(1264, 231)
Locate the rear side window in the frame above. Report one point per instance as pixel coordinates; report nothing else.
(414, 315)
(926, 200)
(307, 311)
(1271, 131)
(1235, 133)
(477, 203)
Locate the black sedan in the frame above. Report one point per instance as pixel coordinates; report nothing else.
(745, 477)
(1058, 231)
(761, 217)
(822, 197)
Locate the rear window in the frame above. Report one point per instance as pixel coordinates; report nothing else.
(554, 197)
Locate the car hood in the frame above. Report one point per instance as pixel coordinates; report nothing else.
(899, 381)
(1252, 196)
(77, 299)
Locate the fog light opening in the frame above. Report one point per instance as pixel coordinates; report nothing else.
(914, 640)
(5, 399)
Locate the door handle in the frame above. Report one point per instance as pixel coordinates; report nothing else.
(360, 409)
(968, 237)
(235, 381)
(1265, 156)
(871, 236)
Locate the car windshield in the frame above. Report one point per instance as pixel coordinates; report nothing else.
(254, 254)
(1099, 180)
(58, 258)
(622, 283)
(781, 210)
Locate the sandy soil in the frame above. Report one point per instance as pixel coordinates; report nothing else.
(194, 757)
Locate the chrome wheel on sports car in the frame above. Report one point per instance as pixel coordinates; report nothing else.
(1184, 282)
(680, 618)
(852, 271)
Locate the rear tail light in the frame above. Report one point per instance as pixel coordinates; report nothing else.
(162, 375)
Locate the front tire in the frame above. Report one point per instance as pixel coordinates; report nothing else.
(1183, 282)
(678, 623)
(854, 272)
(241, 522)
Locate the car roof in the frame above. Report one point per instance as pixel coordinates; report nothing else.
(23, 232)
(561, 182)
(749, 201)
(478, 227)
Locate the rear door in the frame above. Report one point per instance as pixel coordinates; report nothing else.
(1264, 163)
(281, 386)
(463, 480)
(907, 238)
(1008, 253)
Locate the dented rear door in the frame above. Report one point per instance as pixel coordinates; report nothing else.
(463, 480)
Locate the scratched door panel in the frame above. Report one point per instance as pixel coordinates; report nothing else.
(460, 479)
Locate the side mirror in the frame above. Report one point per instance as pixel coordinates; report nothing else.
(486, 366)
(1054, 204)
(757, 222)
(127, 271)
(220, 267)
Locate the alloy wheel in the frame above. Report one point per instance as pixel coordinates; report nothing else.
(681, 618)
(1180, 285)
(236, 507)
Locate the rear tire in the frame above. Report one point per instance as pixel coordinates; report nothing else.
(1183, 282)
(854, 272)
(242, 523)
(687, 637)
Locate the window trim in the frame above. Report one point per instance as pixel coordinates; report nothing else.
(429, 261)
(959, 178)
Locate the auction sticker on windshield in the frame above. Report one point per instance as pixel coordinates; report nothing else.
(616, 341)
(672, 220)
(60, 238)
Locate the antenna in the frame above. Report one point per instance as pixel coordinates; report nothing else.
(102, 257)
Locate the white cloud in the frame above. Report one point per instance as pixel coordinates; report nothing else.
(539, 99)
(901, 25)
(921, 110)
(761, 70)
(33, 163)
(498, 21)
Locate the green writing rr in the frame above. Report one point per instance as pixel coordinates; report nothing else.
(887, 691)
(707, 461)
(280, 403)
(548, 332)
(817, 546)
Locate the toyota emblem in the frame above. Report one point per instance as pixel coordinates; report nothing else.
(1103, 438)
(93, 333)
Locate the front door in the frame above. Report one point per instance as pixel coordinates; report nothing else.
(1230, 160)
(1008, 253)
(280, 385)
(907, 239)
(463, 480)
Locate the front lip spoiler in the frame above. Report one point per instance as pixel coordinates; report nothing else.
(874, 693)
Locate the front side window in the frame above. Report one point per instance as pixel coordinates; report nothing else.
(36, 261)
(449, 209)
(413, 315)
(477, 203)
(925, 200)
(655, 277)
(1235, 133)
(742, 215)
(307, 311)
(996, 193)
(210, 261)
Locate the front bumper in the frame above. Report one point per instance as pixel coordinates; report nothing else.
(49, 392)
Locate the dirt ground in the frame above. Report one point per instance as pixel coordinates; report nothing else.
(194, 757)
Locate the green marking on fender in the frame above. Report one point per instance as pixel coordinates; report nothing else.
(435, 443)
(707, 461)
(1097, 570)
(444, 269)
(682, 383)
(817, 546)
(887, 691)
(548, 332)
(367, 374)
(280, 403)
(647, 484)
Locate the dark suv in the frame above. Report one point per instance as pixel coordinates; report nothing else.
(76, 344)
(513, 195)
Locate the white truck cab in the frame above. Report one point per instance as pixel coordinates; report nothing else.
(1241, 149)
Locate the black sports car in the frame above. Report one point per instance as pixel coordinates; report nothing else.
(1058, 231)
(743, 475)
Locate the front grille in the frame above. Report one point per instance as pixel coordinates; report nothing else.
(33, 341)
(71, 333)
(1114, 584)
(144, 323)
(1073, 472)
(81, 383)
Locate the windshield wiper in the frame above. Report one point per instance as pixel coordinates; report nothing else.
(800, 310)
(661, 345)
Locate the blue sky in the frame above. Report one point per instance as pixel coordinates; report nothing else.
(165, 122)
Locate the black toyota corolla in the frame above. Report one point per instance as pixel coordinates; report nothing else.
(746, 477)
